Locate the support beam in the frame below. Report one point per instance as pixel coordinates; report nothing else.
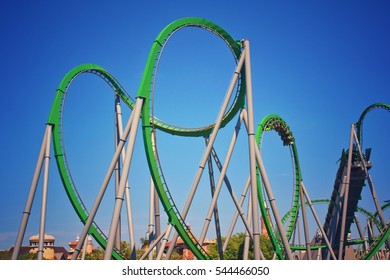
(252, 155)
(272, 202)
(219, 185)
(151, 215)
(305, 223)
(216, 213)
(42, 222)
(371, 185)
(346, 193)
(122, 184)
(207, 152)
(103, 186)
(31, 195)
(330, 250)
(236, 214)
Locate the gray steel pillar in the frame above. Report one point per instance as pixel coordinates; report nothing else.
(245, 254)
(237, 203)
(346, 193)
(164, 242)
(31, 195)
(151, 215)
(216, 213)
(272, 202)
(42, 222)
(252, 149)
(153, 244)
(157, 219)
(117, 133)
(84, 248)
(371, 185)
(299, 238)
(361, 234)
(103, 186)
(305, 223)
(127, 191)
(218, 187)
(238, 212)
(122, 184)
(209, 147)
(330, 250)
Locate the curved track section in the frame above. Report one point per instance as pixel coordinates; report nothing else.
(276, 123)
(363, 211)
(359, 124)
(55, 119)
(383, 207)
(384, 226)
(376, 242)
(150, 72)
(149, 124)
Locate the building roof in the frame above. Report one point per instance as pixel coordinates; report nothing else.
(60, 253)
(46, 238)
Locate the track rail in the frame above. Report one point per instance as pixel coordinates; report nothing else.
(56, 118)
(359, 124)
(375, 244)
(276, 123)
(149, 124)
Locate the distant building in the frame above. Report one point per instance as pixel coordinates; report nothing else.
(50, 251)
(182, 249)
(73, 245)
(48, 240)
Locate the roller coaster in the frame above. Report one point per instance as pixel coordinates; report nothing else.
(333, 237)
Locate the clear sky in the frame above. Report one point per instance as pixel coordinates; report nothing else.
(318, 64)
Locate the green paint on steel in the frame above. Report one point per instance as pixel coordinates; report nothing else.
(383, 207)
(55, 119)
(377, 244)
(148, 124)
(146, 86)
(324, 246)
(276, 123)
(372, 250)
(361, 210)
(359, 124)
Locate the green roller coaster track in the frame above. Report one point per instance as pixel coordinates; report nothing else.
(359, 124)
(149, 123)
(276, 123)
(55, 119)
(377, 242)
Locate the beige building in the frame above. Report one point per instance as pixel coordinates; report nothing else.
(89, 247)
(50, 251)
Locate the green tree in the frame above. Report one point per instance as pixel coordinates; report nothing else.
(5, 255)
(29, 256)
(126, 250)
(97, 254)
(235, 248)
(266, 247)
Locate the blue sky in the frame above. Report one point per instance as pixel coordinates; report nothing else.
(318, 64)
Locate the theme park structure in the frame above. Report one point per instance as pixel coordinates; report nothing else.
(256, 201)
